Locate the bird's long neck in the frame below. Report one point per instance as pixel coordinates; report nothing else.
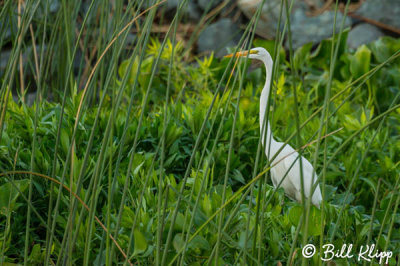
(265, 129)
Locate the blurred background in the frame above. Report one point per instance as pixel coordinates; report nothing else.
(205, 26)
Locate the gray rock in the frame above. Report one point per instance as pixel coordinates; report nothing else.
(12, 28)
(271, 10)
(303, 27)
(130, 39)
(307, 29)
(4, 57)
(190, 10)
(9, 28)
(268, 22)
(171, 4)
(205, 3)
(53, 6)
(363, 34)
(30, 98)
(218, 36)
(27, 54)
(193, 12)
(385, 11)
(84, 8)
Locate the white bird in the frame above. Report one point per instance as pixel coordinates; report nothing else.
(283, 169)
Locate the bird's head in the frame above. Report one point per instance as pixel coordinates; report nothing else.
(255, 53)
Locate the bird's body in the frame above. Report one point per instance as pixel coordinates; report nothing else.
(292, 182)
(285, 167)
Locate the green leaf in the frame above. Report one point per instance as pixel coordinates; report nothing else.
(322, 55)
(199, 242)
(34, 257)
(178, 242)
(64, 139)
(180, 221)
(237, 175)
(360, 62)
(140, 242)
(123, 68)
(383, 48)
(9, 194)
(314, 220)
(340, 199)
(351, 123)
(302, 55)
(206, 204)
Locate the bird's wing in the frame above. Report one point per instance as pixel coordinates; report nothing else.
(294, 173)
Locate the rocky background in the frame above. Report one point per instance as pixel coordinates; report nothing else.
(214, 25)
(311, 21)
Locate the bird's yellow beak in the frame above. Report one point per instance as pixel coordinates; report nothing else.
(243, 53)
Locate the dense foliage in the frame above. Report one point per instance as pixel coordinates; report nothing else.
(117, 147)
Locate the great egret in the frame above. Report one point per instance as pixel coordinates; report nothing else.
(292, 182)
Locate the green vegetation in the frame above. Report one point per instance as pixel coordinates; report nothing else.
(165, 153)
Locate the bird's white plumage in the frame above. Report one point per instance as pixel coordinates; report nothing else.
(290, 166)
(285, 168)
